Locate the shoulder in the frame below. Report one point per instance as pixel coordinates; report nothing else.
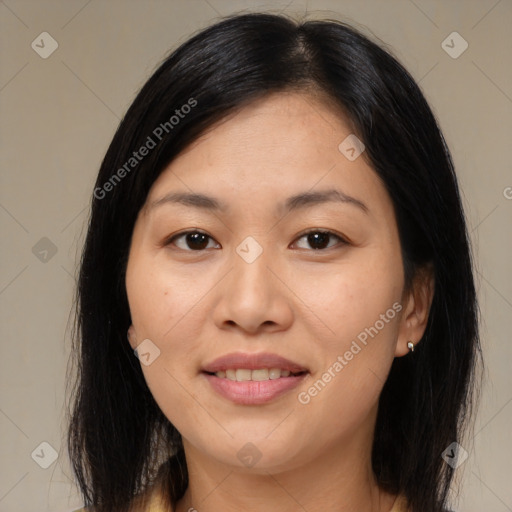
(400, 505)
(150, 501)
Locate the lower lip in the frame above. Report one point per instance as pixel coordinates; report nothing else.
(253, 392)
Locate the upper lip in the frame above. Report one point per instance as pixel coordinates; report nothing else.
(252, 362)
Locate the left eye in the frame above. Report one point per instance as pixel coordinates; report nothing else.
(319, 239)
(199, 241)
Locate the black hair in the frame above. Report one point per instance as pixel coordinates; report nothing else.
(118, 437)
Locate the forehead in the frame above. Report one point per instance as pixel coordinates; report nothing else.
(278, 146)
(281, 127)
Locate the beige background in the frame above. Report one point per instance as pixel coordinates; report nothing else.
(59, 114)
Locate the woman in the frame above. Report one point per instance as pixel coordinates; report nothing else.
(277, 236)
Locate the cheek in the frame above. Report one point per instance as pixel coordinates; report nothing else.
(162, 310)
(162, 298)
(352, 296)
(355, 352)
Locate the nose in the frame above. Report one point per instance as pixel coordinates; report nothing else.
(254, 297)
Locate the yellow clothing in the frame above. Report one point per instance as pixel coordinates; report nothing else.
(399, 506)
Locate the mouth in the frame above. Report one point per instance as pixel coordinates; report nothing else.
(258, 375)
(253, 379)
(242, 361)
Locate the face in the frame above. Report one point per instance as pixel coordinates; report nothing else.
(251, 276)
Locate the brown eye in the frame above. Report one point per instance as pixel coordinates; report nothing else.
(192, 241)
(319, 240)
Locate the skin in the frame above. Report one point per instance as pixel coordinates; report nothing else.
(302, 303)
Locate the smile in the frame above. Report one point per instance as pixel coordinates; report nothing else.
(243, 375)
(253, 378)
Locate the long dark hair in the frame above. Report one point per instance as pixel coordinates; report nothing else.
(118, 437)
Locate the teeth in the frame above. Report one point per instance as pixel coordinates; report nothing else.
(274, 373)
(258, 374)
(242, 374)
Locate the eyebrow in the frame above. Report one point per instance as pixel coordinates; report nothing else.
(296, 202)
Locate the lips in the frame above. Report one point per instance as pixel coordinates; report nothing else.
(248, 361)
(254, 391)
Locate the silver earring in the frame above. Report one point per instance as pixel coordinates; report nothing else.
(410, 346)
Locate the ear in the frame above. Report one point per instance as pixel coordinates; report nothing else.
(418, 300)
(132, 338)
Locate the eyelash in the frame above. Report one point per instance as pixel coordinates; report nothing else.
(344, 241)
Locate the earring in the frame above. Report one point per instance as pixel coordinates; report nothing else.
(410, 346)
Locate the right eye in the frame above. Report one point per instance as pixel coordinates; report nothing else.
(192, 241)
